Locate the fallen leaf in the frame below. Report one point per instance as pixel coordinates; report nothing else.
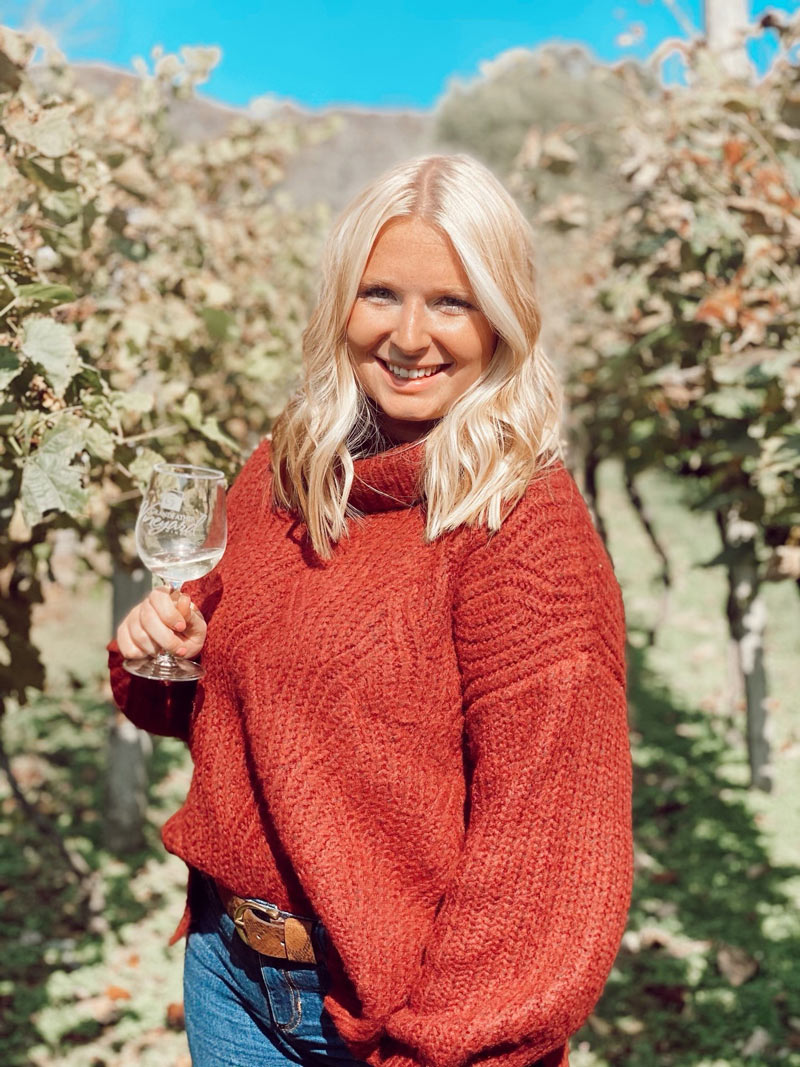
(175, 1017)
(600, 1026)
(628, 1025)
(733, 151)
(665, 877)
(757, 1043)
(102, 1009)
(736, 965)
(116, 992)
(721, 306)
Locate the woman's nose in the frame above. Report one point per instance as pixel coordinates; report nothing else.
(411, 332)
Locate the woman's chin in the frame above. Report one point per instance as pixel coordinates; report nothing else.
(403, 429)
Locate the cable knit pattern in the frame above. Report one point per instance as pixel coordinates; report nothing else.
(424, 745)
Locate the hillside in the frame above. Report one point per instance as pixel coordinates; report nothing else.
(366, 143)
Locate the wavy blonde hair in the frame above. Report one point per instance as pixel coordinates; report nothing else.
(498, 435)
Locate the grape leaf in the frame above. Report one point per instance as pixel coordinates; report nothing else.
(142, 466)
(50, 482)
(10, 366)
(43, 176)
(733, 402)
(44, 295)
(218, 323)
(48, 129)
(50, 344)
(212, 431)
(9, 75)
(62, 206)
(99, 441)
(134, 401)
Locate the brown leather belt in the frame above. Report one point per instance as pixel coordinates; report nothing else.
(268, 930)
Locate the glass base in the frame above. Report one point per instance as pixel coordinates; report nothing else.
(164, 668)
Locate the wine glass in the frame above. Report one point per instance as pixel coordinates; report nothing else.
(180, 535)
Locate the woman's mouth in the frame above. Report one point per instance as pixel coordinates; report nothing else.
(408, 375)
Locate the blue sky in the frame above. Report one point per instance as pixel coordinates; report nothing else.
(397, 54)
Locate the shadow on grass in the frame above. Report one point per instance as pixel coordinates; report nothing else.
(709, 971)
(60, 756)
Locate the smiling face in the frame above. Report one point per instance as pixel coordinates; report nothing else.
(415, 312)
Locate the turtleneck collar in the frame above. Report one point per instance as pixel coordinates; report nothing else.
(388, 481)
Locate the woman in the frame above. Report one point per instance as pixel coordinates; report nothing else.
(410, 746)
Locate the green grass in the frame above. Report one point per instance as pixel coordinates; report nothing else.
(718, 872)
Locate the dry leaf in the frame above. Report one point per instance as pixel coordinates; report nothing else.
(175, 1017)
(757, 1043)
(600, 1026)
(117, 992)
(736, 965)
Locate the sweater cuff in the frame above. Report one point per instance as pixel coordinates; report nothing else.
(157, 707)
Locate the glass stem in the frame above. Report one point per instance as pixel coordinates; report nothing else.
(162, 657)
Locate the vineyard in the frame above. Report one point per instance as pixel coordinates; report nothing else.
(152, 298)
(684, 329)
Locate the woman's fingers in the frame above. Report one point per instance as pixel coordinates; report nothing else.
(165, 620)
(152, 620)
(132, 639)
(167, 606)
(182, 615)
(184, 605)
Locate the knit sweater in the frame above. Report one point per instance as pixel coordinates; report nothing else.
(424, 745)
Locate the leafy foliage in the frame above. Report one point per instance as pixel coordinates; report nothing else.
(152, 297)
(574, 103)
(685, 331)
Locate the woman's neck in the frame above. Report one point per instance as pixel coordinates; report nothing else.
(387, 433)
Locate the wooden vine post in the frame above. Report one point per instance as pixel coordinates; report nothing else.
(747, 616)
(129, 749)
(726, 23)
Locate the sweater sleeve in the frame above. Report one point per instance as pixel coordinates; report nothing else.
(157, 707)
(529, 927)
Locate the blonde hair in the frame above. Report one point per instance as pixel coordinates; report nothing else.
(500, 433)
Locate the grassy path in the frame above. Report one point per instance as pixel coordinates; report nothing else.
(709, 971)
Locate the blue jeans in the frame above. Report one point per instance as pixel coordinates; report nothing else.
(248, 1010)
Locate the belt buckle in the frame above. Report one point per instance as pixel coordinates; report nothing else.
(271, 911)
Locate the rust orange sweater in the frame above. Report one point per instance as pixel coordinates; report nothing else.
(424, 745)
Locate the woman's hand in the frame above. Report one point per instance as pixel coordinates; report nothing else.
(164, 620)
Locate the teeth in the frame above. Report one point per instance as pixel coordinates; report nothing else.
(401, 372)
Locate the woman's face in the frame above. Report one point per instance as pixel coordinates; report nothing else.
(415, 312)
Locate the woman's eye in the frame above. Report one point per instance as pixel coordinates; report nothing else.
(455, 301)
(376, 292)
(383, 295)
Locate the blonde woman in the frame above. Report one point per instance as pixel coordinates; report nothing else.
(408, 829)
